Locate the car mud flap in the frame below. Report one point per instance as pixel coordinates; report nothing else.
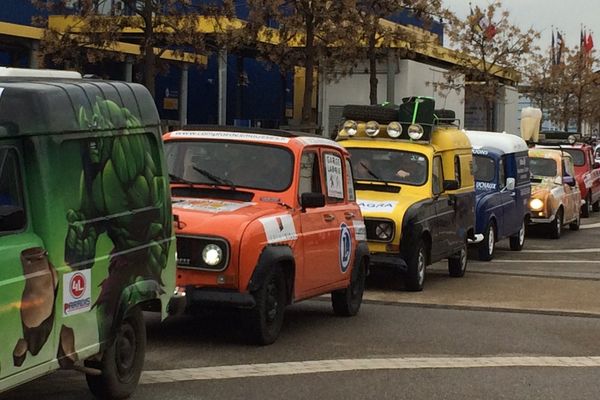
(362, 252)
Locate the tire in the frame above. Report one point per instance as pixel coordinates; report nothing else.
(586, 209)
(556, 225)
(574, 226)
(596, 206)
(485, 249)
(416, 266)
(122, 361)
(517, 241)
(346, 302)
(457, 264)
(381, 114)
(264, 321)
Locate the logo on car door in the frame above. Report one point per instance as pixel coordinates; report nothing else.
(345, 247)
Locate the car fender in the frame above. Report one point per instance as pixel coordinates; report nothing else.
(271, 255)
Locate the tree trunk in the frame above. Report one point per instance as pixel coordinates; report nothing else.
(372, 69)
(309, 66)
(148, 48)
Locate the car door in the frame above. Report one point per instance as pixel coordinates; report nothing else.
(572, 194)
(510, 217)
(444, 227)
(318, 226)
(27, 280)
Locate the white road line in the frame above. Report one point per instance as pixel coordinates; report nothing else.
(593, 250)
(590, 226)
(368, 364)
(547, 261)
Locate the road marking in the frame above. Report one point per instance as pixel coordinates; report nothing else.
(594, 250)
(547, 261)
(365, 364)
(590, 226)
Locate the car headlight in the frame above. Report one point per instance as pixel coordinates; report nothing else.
(384, 231)
(212, 254)
(394, 129)
(536, 204)
(372, 128)
(415, 131)
(350, 127)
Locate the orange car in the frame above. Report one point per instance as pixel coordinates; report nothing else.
(265, 219)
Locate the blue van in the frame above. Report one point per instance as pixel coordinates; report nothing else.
(502, 189)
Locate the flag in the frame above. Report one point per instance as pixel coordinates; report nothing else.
(589, 44)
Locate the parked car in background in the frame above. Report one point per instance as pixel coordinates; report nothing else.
(86, 232)
(502, 189)
(265, 219)
(412, 168)
(555, 197)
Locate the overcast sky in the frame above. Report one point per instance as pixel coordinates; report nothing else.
(565, 15)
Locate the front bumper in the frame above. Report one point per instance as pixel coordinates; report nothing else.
(389, 261)
(542, 220)
(211, 297)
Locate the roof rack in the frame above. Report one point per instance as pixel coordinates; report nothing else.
(243, 129)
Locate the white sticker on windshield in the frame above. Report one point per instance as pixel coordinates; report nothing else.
(334, 176)
(376, 206)
(280, 228)
(246, 137)
(213, 206)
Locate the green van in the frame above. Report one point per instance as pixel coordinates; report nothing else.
(86, 233)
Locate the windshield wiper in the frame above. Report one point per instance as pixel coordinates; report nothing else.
(214, 178)
(373, 173)
(178, 179)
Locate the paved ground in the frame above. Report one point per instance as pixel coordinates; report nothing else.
(523, 326)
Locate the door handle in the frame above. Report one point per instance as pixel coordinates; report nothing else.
(349, 215)
(329, 217)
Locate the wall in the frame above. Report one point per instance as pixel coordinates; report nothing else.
(508, 110)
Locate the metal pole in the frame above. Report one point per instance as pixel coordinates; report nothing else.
(128, 69)
(183, 95)
(33, 55)
(222, 82)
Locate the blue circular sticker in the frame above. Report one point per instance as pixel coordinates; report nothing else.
(345, 247)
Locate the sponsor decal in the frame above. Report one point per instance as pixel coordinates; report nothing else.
(485, 186)
(279, 228)
(360, 230)
(213, 206)
(248, 137)
(77, 292)
(345, 247)
(376, 206)
(334, 176)
(480, 152)
(588, 180)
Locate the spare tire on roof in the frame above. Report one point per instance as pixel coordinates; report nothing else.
(381, 114)
(445, 115)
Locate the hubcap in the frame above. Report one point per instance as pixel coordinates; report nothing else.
(491, 240)
(463, 259)
(272, 302)
(421, 266)
(125, 350)
(522, 234)
(558, 223)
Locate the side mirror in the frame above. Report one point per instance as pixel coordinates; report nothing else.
(569, 180)
(451, 185)
(12, 218)
(312, 200)
(596, 165)
(510, 184)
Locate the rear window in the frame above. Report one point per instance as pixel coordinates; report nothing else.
(484, 169)
(542, 167)
(578, 156)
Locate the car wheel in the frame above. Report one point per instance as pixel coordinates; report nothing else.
(457, 264)
(346, 302)
(574, 226)
(265, 320)
(596, 206)
(416, 266)
(556, 225)
(122, 361)
(486, 248)
(586, 209)
(517, 241)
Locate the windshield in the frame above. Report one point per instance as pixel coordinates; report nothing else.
(483, 169)
(230, 164)
(578, 156)
(389, 166)
(542, 167)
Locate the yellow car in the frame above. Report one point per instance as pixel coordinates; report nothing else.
(555, 197)
(414, 184)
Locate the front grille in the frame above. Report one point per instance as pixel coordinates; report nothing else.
(189, 252)
(371, 225)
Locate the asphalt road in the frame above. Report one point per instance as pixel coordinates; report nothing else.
(524, 326)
